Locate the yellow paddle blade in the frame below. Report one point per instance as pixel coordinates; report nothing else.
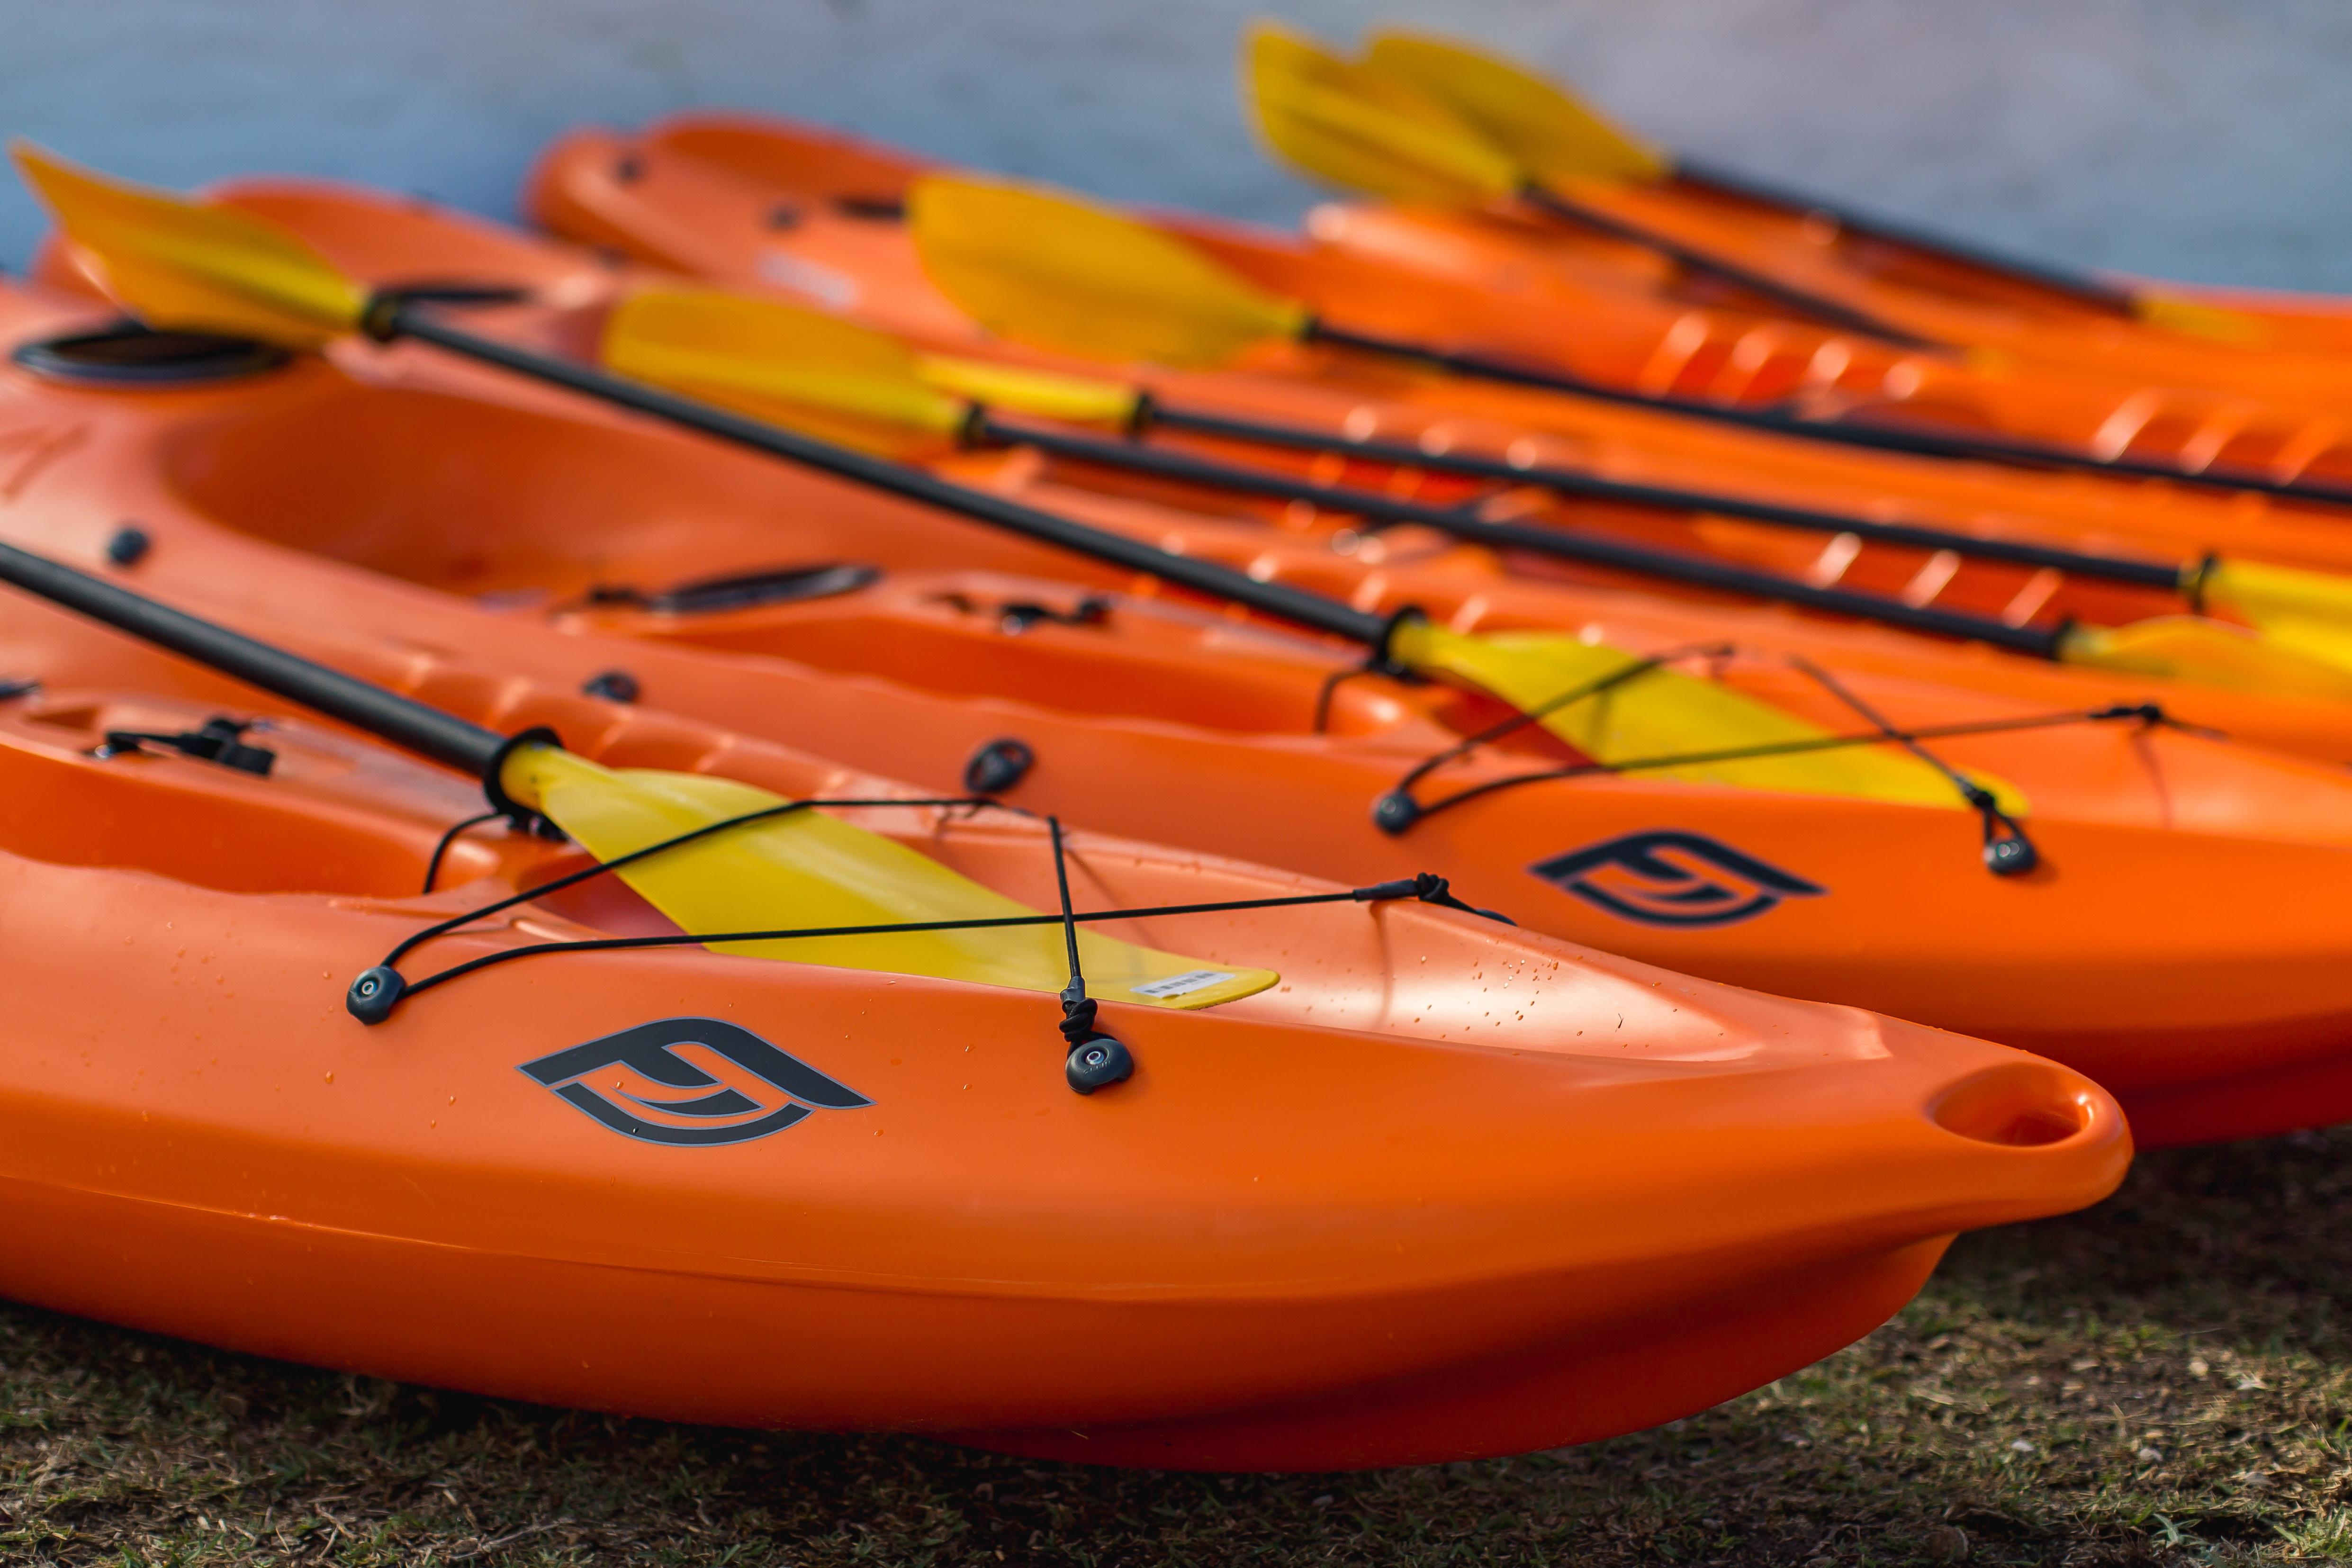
(1536, 122)
(1363, 131)
(2190, 648)
(743, 352)
(1081, 400)
(806, 869)
(2306, 612)
(831, 377)
(1042, 268)
(177, 263)
(2194, 319)
(812, 371)
(1663, 712)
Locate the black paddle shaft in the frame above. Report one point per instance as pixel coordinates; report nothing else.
(407, 723)
(1805, 302)
(1876, 438)
(1666, 565)
(2079, 287)
(1662, 497)
(395, 319)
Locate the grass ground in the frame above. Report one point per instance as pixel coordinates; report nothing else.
(2165, 1379)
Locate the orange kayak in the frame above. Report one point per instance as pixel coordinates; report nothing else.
(1462, 282)
(2038, 329)
(1449, 1190)
(2175, 941)
(2117, 389)
(1684, 224)
(395, 243)
(753, 202)
(1435, 124)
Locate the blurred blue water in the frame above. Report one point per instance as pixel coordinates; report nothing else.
(2203, 139)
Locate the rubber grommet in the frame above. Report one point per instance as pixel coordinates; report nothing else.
(999, 765)
(374, 994)
(1098, 1062)
(129, 545)
(2011, 857)
(1394, 812)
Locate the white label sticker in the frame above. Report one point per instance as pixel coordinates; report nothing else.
(1184, 984)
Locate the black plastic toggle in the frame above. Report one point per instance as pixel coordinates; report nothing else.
(2008, 852)
(1098, 1062)
(1095, 1060)
(1395, 812)
(374, 994)
(129, 545)
(2011, 854)
(999, 765)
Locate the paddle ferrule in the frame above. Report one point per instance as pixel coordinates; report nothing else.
(2195, 578)
(494, 778)
(1383, 661)
(1314, 329)
(1141, 417)
(973, 432)
(381, 318)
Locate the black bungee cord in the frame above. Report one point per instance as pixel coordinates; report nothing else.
(1095, 1060)
(2008, 851)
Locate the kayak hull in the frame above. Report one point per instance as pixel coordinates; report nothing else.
(1357, 1181)
(1657, 1369)
(1049, 1378)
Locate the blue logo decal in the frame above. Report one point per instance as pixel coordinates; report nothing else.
(770, 1093)
(1668, 877)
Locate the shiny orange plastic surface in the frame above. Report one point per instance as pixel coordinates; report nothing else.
(1453, 1189)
